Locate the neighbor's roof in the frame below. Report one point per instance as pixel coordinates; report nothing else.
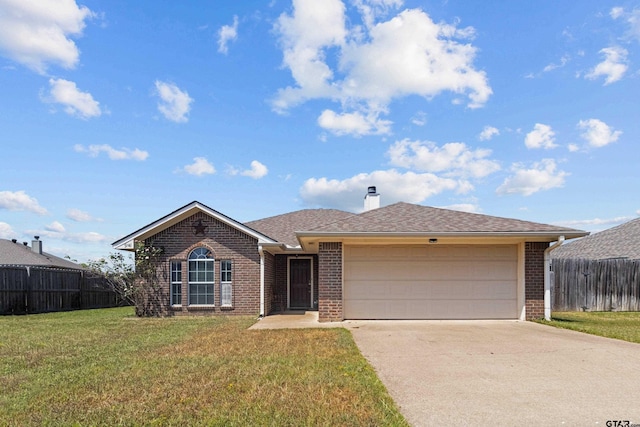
(622, 241)
(283, 227)
(406, 218)
(19, 254)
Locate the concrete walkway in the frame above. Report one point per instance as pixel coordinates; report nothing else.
(294, 320)
(485, 373)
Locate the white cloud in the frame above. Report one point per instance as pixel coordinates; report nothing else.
(463, 207)
(226, 34)
(527, 181)
(616, 12)
(355, 124)
(80, 216)
(406, 55)
(454, 159)
(6, 232)
(55, 227)
(420, 118)
(613, 67)
(563, 61)
(373, 9)
(540, 137)
(573, 147)
(595, 222)
(199, 167)
(487, 133)
(122, 154)
(88, 237)
(394, 187)
(36, 33)
(76, 103)
(597, 133)
(257, 171)
(632, 19)
(56, 230)
(174, 103)
(20, 201)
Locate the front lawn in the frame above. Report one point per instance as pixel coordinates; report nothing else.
(621, 325)
(106, 367)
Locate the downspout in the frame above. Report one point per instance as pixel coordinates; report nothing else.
(547, 277)
(261, 252)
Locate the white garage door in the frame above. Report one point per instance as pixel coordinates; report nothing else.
(430, 282)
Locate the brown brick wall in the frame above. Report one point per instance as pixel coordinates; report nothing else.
(269, 281)
(534, 279)
(226, 243)
(279, 298)
(330, 282)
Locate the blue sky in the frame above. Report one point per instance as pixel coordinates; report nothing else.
(115, 113)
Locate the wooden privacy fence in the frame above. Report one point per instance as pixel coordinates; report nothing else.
(596, 285)
(28, 290)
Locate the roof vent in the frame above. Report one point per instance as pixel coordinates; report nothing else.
(372, 199)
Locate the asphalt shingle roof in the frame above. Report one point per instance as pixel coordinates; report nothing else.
(18, 254)
(409, 218)
(622, 241)
(282, 228)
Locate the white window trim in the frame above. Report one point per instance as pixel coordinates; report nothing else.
(189, 282)
(171, 283)
(230, 282)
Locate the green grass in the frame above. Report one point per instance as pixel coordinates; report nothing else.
(620, 325)
(106, 367)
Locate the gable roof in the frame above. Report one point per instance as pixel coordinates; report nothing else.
(283, 227)
(19, 254)
(127, 242)
(622, 241)
(409, 219)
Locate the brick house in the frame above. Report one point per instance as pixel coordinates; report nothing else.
(401, 261)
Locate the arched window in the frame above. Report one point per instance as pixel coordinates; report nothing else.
(201, 276)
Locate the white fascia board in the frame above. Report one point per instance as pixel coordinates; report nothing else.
(537, 235)
(127, 242)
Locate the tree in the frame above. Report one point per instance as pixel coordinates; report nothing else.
(119, 273)
(140, 286)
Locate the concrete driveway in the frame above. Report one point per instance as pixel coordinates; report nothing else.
(502, 373)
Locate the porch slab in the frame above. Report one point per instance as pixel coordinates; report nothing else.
(294, 320)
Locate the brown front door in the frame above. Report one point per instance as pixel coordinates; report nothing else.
(299, 283)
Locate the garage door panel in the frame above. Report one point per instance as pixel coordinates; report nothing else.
(439, 282)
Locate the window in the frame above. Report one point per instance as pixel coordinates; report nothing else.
(226, 292)
(176, 283)
(201, 276)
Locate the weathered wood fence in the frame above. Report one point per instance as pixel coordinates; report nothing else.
(596, 285)
(28, 290)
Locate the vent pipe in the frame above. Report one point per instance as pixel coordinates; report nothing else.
(36, 245)
(372, 199)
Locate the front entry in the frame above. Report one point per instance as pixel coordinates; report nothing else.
(300, 283)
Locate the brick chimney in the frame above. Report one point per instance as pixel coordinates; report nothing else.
(372, 199)
(36, 245)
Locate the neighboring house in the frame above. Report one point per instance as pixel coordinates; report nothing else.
(34, 281)
(401, 261)
(14, 253)
(622, 241)
(600, 272)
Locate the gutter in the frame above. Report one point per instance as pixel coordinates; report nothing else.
(423, 234)
(547, 277)
(261, 252)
